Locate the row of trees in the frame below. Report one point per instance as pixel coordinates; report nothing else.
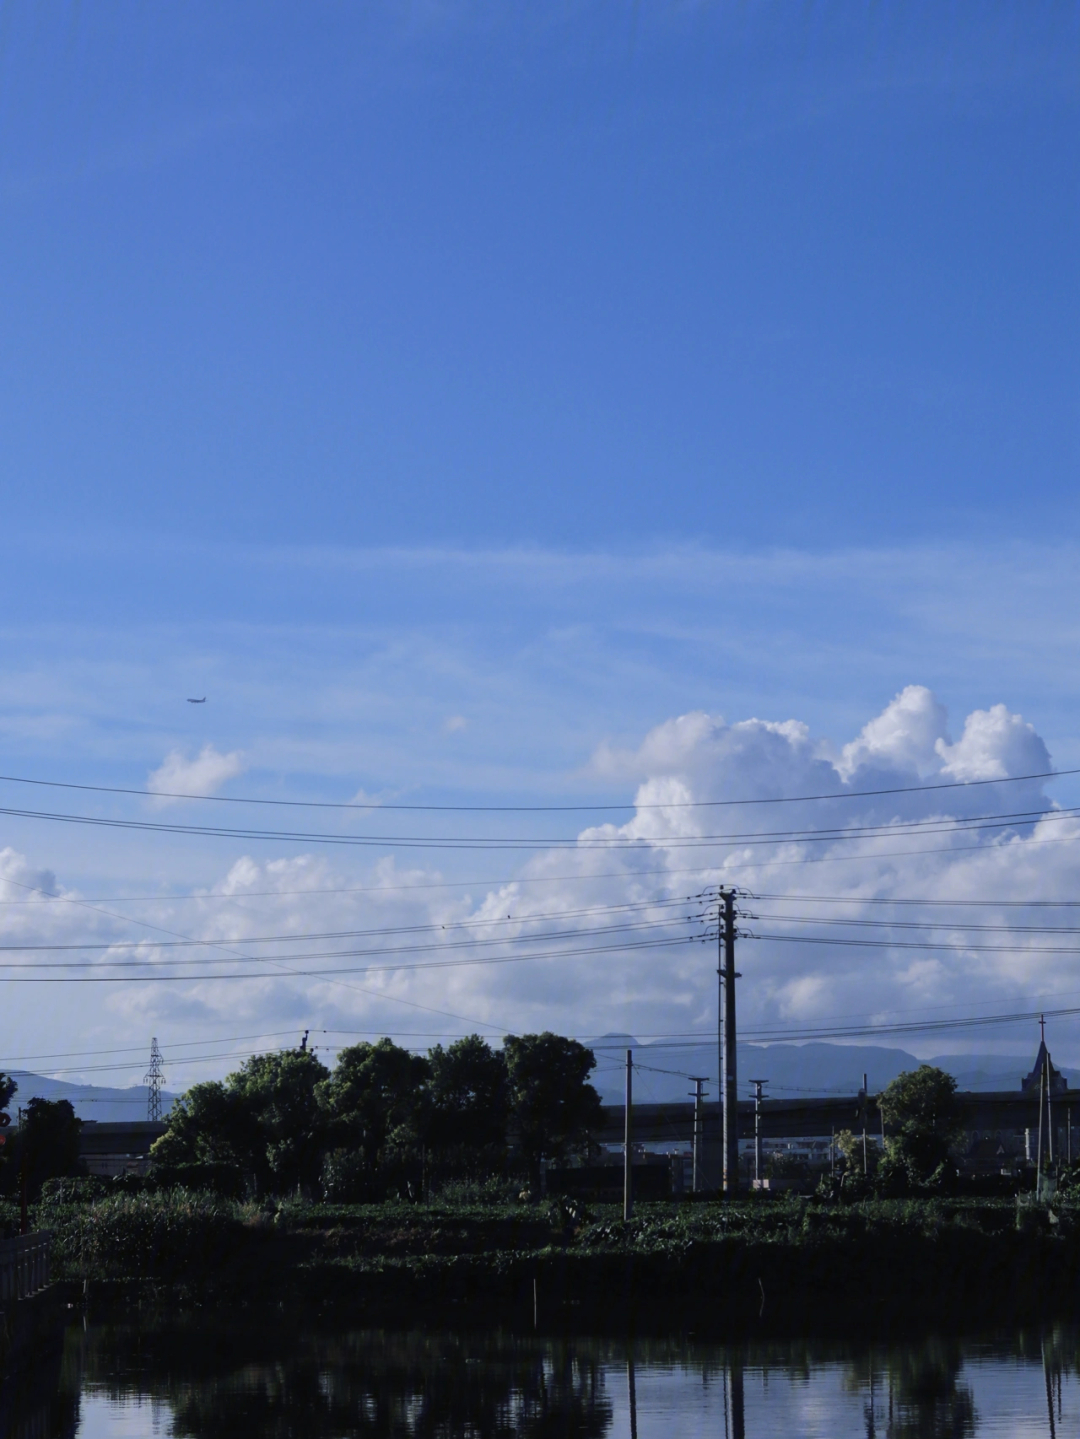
(285, 1121)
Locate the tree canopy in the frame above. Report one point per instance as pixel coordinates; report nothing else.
(266, 1119)
(469, 1095)
(553, 1107)
(375, 1097)
(921, 1113)
(385, 1117)
(45, 1146)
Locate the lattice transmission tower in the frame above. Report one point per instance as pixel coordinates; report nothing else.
(154, 1080)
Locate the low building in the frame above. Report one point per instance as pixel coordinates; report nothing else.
(122, 1147)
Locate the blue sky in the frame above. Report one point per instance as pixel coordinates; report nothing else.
(449, 391)
(575, 275)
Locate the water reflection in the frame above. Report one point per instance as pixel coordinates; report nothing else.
(925, 1393)
(208, 1374)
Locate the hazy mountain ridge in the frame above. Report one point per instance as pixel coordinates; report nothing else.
(90, 1101)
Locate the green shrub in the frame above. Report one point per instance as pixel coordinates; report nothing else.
(175, 1235)
(81, 1189)
(473, 1192)
(225, 1180)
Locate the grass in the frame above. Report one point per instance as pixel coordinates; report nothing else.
(397, 1259)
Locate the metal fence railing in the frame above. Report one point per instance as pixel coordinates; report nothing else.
(24, 1265)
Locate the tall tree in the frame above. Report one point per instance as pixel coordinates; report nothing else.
(280, 1092)
(553, 1107)
(265, 1118)
(46, 1144)
(208, 1125)
(920, 1110)
(469, 1094)
(375, 1097)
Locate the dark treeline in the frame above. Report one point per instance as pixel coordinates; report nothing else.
(43, 1145)
(385, 1120)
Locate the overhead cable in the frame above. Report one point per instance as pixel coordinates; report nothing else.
(368, 805)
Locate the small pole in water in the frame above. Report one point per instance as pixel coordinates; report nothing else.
(631, 1394)
(738, 1405)
(536, 1306)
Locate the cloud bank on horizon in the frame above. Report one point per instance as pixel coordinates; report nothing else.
(923, 844)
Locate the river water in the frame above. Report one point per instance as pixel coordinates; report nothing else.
(238, 1377)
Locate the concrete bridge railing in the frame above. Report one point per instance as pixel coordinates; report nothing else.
(24, 1265)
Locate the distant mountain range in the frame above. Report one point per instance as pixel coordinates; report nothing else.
(90, 1101)
(661, 1074)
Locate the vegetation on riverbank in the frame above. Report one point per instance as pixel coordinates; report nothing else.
(795, 1261)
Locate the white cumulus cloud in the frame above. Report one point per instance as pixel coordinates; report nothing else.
(851, 923)
(204, 774)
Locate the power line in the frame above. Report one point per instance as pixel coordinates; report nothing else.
(928, 903)
(305, 937)
(893, 924)
(916, 944)
(144, 978)
(584, 878)
(636, 927)
(531, 808)
(938, 825)
(354, 988)
(225, 1039)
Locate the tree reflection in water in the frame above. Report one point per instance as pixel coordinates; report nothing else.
(266, 1375)
(219, 1385)
(926, 1399)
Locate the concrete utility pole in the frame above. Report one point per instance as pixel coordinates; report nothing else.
(865, 1116)
(729, 1077)
(699, 1095)
(1049, 1113)
(1068, 1134)
(628, 1142)
(758, 1165)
